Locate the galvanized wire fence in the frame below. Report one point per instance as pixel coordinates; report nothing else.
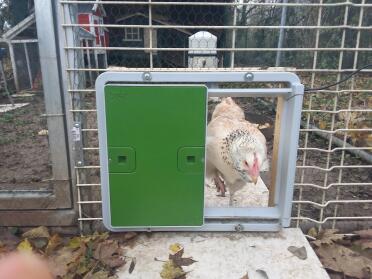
(321, 41)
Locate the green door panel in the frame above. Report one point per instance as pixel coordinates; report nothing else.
(121, 159)
(156, 139)
(191, 159)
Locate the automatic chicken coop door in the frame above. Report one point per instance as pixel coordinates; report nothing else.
(152, 133)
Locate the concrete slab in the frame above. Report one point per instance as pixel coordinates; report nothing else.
(249, 196)
(9, 107)
(226, 255)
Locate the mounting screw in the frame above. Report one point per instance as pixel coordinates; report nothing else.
(146, 76)
(248, 77)
(76, 125)
(79, 163)
(239, 227)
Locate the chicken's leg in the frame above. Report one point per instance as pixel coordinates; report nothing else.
(231, 201)
(220, 185)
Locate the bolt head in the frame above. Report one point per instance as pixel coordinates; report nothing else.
(79, 163)
(76, 125)
(146, 76)
(248, 77)
(239, 227)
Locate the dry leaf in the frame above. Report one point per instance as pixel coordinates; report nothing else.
(312, 232)
(3, 248)
(74, 242)
(8, 238)
(132, 265)
(99, 275)
(24, 246)
(179, 261)
(38, 232)
(171, 271)
(245, 276)
(322, 124)
(174, 248)
(328, 237)
(123, 237)
(53, 243)
(39, 243)
(344, 260)
(108, 253)
(299, 252)
(59, 263)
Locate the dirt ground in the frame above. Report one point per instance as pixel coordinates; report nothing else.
(24, 155)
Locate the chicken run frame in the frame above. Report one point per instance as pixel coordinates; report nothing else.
(333, 172)
(215, 219)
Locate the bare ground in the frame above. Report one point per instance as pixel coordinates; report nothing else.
(24, 155)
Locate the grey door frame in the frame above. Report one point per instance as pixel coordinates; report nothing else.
(55, 206)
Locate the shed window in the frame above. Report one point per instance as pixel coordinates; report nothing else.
(132, 34)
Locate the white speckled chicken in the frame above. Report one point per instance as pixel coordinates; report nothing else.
(236, 149)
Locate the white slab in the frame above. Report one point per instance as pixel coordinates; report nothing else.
(9, 107)
(249, 196)
(226, 255)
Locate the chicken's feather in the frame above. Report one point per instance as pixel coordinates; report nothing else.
(229, 133)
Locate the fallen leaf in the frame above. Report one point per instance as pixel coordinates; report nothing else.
(344, 260)
(74, 242)
(99, 275)
(262, 273)
(328, 237)
(108, 253)
(123, 237)
(132, 265)
(299, 252)
(98, 237)
(3, 249)
(39, 243)
(174, 248)
(171, 271)
(245, 276)
(184, 261)
(312, 232)
(322, 124)
(24, 246)
(179, 261)
(8, 238)
(59, 262)
(38, 232)
(53, 243)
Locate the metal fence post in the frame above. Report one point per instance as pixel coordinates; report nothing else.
(52, 90)
(281, 34)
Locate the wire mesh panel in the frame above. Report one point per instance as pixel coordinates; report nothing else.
(322, 41)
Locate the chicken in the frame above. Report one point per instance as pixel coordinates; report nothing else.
(236, 149)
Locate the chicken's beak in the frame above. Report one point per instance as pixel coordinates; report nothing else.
(255, 179)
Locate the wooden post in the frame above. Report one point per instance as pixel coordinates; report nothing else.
(272, 188)
(28, 64)
(89, 62)
(12, 59)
